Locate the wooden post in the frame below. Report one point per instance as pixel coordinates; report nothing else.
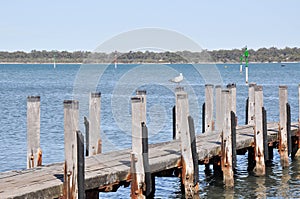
(203, 117)
(268, 148)
(190, 187)
(226, 147)
(289, 127)
(95, 144)
(150, 184)
(247, 111)
(71, 125)
(34, 152)
(283, 137)
(259, 138)
(251, 109)
(297, 155)
(233, 139)
(194, 151)
(232, 89)
(80, 165)
(219, 119)
(137, 164)
(87, 134)
(209, 107)
(178, 91)
(174, 122)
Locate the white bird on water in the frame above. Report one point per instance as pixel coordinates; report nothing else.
(177, 79)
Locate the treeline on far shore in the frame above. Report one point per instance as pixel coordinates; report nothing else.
(220, 56)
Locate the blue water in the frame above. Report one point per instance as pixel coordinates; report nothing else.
(17, 81)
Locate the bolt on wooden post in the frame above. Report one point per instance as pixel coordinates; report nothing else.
(95, 143)
(259, 138)
(283, 139)
(191, 187)
(71, 126)
(137, 164)
(34, 152)
(209, 107)
(251, 102)
(226, 145)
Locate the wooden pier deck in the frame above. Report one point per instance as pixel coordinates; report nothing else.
(107, 171)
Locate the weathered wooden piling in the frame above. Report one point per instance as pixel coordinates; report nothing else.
(71, 126)
(178, 91)
(297, 139)
(34, 152)
(209, 107)
(268, 147)
(137, 163)
(189, 184)
(283, 134)
(219, 115)
(232, 89)
(94, 140)
(251, 102)
(226, 144)
(233, 139)
(149, 178)
(80, 165)
(259, 138)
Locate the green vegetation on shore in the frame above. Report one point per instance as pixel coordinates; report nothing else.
(220, 56)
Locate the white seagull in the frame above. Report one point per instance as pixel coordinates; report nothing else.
(177, 79)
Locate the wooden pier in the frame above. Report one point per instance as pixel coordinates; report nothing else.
(78, 177)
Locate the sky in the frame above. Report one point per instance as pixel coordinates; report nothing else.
(84, 25)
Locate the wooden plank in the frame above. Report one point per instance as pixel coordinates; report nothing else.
(114, 167)
(34, 152)
(95, 143)
(283, 139)
(259, 168)
(209, 107)
(71, 126)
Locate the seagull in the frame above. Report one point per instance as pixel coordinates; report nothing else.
(177, 79)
